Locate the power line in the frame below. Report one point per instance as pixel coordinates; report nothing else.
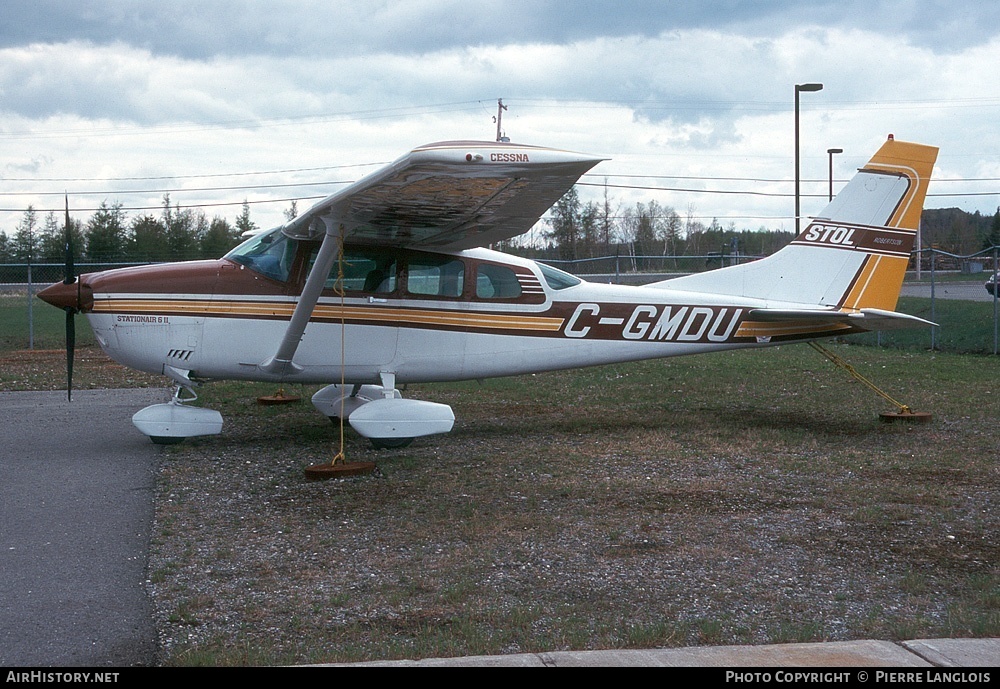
(251, 187)
(185, 128)
(203, 176)
(328, 183)
(220, 204)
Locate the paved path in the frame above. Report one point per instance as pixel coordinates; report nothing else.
(76, 489)
(983, 654)
(967, 291)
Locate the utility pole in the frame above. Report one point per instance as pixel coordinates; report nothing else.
(31, 320)
(798, 89)
(500, 108)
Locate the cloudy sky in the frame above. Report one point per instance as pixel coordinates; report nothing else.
(217, 102)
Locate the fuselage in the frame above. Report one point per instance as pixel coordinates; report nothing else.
(423, 316)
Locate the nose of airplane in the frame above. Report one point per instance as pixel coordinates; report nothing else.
(75, 295)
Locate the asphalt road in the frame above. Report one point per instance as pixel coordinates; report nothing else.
(76, 493)
(970, 291)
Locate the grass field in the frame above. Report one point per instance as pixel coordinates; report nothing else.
(748, 497)
(49, 325)
(965, 327)
(741, 497)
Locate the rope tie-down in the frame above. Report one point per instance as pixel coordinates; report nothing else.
(339, 467)
(904, 413)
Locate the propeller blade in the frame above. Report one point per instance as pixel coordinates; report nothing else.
(70, 347)
(69, 278)
(68, 275)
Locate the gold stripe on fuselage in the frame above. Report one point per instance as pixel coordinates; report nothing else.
(762, 329)
(283, 310)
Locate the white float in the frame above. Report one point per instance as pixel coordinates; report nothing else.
(335, 399)
(171, 422)
(401, 418)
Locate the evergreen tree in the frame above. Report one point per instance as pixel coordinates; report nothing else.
(669, 231)
(606, 223)
(243, 223)
(564, 220)
(26, 237)
(219, 239)
(590, 232)
(149, 240)
(182, 229)
(182, 235)
(52, 248)
(107, 236)
(993, 238)
(645, 228)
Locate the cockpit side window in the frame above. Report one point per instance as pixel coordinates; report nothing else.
(270, 253)
(496, 282)
(366, 272)
(435, 276)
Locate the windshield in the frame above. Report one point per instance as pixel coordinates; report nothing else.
(270, 253)
(556, 278)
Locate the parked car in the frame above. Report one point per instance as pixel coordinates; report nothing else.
(991, 284)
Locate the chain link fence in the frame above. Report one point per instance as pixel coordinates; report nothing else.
(948, 289)
(955, 291)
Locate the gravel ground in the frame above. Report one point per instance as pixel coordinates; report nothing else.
(572, 512)
(523, 532)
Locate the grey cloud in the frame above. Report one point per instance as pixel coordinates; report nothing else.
(198, 30)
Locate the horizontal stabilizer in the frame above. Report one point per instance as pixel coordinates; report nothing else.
(866, 319)
(877, 319)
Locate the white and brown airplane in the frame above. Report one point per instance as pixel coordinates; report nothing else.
(388, 282)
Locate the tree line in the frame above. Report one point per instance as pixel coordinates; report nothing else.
(572, 230)
(959, 232)
(109, 236)
(580, 230)
(595, 229)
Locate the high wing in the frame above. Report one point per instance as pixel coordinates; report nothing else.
(450, 195)
(447, 196)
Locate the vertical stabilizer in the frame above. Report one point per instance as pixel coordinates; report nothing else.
(853, 255)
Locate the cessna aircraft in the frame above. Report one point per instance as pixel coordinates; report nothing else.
(387, 282)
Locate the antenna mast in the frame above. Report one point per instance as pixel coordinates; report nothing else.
(500, 108)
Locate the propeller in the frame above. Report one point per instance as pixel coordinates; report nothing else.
(68, 279)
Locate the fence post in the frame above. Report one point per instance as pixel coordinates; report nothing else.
(933, 318)
(996, 296)
(31, 313)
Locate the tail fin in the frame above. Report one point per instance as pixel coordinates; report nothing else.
(853, 257)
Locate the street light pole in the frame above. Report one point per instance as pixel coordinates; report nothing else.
(830, 152)
(798, 88)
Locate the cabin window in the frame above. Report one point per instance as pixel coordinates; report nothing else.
(435, 276)
(270, 253)
(496, 282)
(557, 279)
(366, 272)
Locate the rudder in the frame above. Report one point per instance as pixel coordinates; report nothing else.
(853, 255)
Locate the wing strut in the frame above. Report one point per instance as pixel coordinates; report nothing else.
(281, 364)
